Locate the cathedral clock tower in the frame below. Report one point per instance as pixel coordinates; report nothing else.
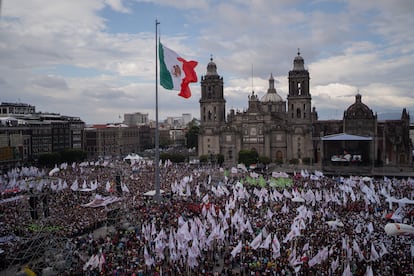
(212, 111)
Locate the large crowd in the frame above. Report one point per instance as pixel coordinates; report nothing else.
(209, 221)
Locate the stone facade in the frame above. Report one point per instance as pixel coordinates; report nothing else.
(286, 130)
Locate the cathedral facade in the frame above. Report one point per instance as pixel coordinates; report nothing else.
(286, 130)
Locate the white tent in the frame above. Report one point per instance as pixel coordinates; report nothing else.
(133, 156)
(152, 193)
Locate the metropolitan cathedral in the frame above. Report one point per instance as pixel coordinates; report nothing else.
(287, 130)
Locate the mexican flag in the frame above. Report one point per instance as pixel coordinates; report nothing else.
(175, 72)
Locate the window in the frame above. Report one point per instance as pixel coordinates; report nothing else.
(253, 131)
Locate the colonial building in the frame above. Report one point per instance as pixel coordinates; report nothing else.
(119, 140)
(136, 119)
(26, 134)
(290, 130)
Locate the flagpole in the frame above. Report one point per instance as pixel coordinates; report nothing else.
(157, 133)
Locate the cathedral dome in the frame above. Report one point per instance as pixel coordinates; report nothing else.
(211, 68)
(358, 110)
(298, 63)
(271, 95)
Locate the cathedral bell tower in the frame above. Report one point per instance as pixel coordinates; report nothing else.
(299, 115)
(212, 102)
(212, 111)
(299, 98)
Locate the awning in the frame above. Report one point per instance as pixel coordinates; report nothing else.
(345, 137)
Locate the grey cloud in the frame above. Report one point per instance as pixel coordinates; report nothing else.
(50, 82)
(103, 93)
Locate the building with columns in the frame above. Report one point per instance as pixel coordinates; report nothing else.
(287, 130)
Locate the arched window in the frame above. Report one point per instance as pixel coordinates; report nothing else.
(298, 113)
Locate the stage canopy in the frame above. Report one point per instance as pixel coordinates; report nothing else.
(345, 137)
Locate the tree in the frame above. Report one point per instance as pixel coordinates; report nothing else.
(203, 159)
(49, 159)
(63, 156)
(72, 155)
(220, 159)
(173, 157)
(264, 160)
(307, 160)
(192, 135)
(248, 157)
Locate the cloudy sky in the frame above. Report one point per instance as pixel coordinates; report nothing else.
(96, 59)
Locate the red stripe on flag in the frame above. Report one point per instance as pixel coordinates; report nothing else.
(190, 76)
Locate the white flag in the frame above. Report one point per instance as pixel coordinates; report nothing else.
(374, 253)
(75, 186)
(347, 271)
(356, 248)
(275, 247)
(124, 188)
(237, 249)
(149, 261)
(383, 249)
(267, 242)
(335, 265)
(257, 241)
(370, 227)
(369, 271)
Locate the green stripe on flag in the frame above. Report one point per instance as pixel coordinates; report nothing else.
(165, 76)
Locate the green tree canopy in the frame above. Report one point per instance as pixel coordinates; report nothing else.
(248, 157)
(192, 135)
